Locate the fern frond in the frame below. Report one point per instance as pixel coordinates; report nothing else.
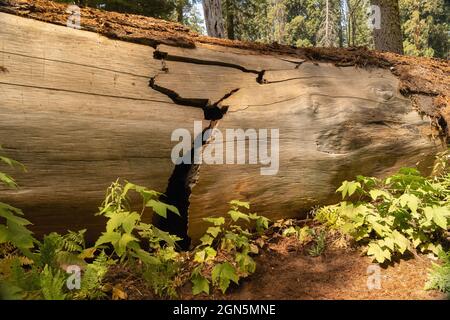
(48, 250)
(52, 284)
(74, 241)
(91, 282)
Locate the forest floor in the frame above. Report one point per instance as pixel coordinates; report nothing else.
(286, 271)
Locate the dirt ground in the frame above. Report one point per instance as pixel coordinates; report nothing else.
(289, 273)
(285, 271)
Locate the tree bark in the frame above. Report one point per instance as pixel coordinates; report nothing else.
(230, 19)
(213, 18)
(389, 36)
(180, 8)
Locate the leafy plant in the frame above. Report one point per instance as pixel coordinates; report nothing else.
(14, 231)
(442, 163)
(125, 232)
(303, 234)
(43, 275)
(320, 241)
(91, 286)
(234, 240)
(163, 276)
(439, 276)
(52, 283)
(124, 224)
(401, 213)
(5, 178)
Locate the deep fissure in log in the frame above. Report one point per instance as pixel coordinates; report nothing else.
(184, 176)
(178, 193)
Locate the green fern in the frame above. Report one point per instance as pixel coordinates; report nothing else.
(319, 245)
(233, 238)
(74, 241)
(91, 281)
(49, 249)
(14, 231)
(52, 284)
(439, 276)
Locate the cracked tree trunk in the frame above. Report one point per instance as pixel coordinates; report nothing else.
(80, 110)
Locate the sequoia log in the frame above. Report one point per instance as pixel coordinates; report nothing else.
(79, 110)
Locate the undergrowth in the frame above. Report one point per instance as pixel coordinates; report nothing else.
(62, 266)
(405, 212)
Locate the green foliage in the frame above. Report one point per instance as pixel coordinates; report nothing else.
(165, 9)
(33, 282)
(234, 240)
(222, 274)
(44, 277)
(439, 276)
(153, 8)
(124, 225)
(303, 234)
(301, 23)
(162, 274)
(320, 242)
(401, 213)
(14, 231)
(92, 278)
(5, 178)
(425, 27)
(52, 283)
(125, 232)
(74, 241)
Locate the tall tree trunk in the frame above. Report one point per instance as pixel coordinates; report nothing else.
(340, 30)
(180, 7)
(213, 18)
(230, 19)
(389, 36)
(327, 24)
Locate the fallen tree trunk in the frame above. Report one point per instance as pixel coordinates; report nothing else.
(79, 110)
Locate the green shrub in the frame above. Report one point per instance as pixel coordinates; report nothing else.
(439, 276)
(234, 240)
(320, 243)
(14, 230)
(402, 213)
(42, 274)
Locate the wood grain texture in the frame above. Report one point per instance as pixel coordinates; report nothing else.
(77, 110)
(334, 124)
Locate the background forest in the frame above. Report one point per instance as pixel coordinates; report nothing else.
(336, 23)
